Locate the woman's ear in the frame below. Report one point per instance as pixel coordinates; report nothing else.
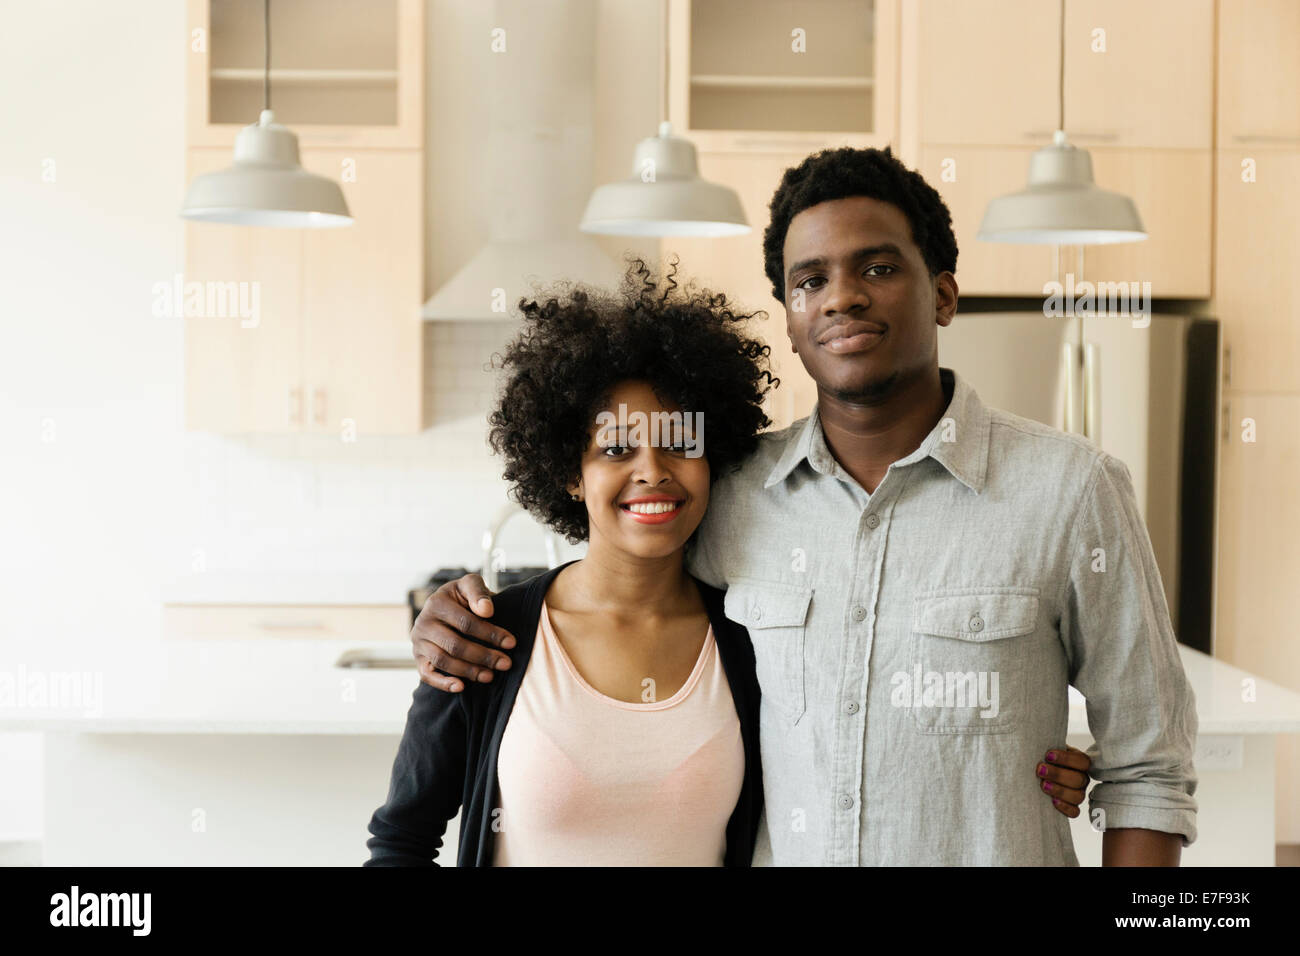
(575, 490)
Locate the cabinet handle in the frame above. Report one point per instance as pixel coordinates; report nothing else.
(1227, 366)
(785, 145)
(1074, 135)
(1227, 420)
(1265, 138)
(318, 406)
(293, 405)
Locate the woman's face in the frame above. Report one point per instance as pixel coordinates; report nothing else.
(645, 479)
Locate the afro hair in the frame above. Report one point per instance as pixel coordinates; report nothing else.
(578, 343)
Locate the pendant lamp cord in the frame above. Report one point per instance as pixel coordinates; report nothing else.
(266, 54)
(1060, 83)
(663, 63)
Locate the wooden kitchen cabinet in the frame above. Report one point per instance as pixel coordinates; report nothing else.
(337, 347)
(249, 621)
(1259, 74)
(1153, 85)
(243, 366)
(774, 76)
(988, 72)
(361, 296)
(1173, 192)
(1257, 248)
(343, 72)
(1259, 563)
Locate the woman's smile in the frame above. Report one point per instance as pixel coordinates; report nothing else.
(652, 509)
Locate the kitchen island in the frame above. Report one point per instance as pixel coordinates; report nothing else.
(264, 752)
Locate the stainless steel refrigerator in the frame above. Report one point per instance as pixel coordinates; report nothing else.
(1147, 394)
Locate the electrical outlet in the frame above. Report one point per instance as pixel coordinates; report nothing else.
(1219, 752)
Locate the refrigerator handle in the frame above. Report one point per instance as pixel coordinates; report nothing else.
(1092, 392)
(1070, 382)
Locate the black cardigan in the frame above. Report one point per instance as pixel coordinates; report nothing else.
(447, 759)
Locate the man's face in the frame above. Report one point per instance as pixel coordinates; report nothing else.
(862, 310)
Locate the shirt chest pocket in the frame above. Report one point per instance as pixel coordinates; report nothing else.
(776, 615)
(968, 659)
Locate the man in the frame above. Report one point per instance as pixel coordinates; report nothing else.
(922, 576)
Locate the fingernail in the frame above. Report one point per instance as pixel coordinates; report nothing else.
(1042, 771)
(484, 676)
(1047, 786)
(502, 663)
(507, 642)
(1051, 756)
(1055, 802)
(456, 688)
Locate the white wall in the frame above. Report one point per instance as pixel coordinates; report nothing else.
(103, 495)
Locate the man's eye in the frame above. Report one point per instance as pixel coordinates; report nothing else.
(804, 283)
(882, 265)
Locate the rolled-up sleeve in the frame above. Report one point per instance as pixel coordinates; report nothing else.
(1124, 660)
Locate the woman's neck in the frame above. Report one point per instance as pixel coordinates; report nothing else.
(609, 581)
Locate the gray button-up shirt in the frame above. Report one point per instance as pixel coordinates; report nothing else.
(914, 645)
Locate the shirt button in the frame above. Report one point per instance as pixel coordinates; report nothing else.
(859, 613)
(976, 624)
(873, 521)
(845, 801)
(756, 614)
(851, 707)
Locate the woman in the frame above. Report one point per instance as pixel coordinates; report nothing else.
(629, 735)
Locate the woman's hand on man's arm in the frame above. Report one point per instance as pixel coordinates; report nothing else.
(453, 639)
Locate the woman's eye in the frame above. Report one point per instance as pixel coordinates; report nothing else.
(615, 451)
(683, 447)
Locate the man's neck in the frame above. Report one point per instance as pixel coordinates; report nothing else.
(867, 439)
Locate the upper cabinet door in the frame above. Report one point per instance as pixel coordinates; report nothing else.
(1139, 74)
(1136, 74)
(987, 71)
(343, 72)
(1173, 190)
(362, 292)
(243, 331)
(1257, 245)
(776, 76)
(1259, 73)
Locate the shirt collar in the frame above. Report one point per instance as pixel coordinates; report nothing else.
(959, 442)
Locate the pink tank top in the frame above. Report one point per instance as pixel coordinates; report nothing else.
(587, 780)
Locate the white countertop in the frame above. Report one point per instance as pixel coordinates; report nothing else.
(285, 686)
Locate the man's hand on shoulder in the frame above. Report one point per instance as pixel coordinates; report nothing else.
(453, 639)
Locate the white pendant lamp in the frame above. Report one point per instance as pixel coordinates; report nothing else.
(675, 202)
(267, 185)
(665, 195)
(1061, 205)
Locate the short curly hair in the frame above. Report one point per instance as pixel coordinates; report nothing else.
(578, 343)
(875, 173)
